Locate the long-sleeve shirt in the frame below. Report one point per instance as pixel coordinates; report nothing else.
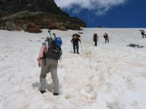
(75, 41)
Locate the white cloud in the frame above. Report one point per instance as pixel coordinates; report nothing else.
(99, 6)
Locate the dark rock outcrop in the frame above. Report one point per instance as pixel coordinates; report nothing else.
(35, 15)
(135, 45)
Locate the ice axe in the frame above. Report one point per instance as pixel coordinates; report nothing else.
(81, 46)
(54, 35)
(50, 33)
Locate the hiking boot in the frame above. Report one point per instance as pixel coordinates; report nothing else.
(78, 53)
(56, 94)
(42, 91)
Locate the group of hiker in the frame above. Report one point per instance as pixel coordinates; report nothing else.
(50, 53)
(96, 38)
(76, 39)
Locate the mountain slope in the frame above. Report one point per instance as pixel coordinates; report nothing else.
(109, 76)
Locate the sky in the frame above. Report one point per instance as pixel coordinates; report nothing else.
(107, 13)
(106, 76)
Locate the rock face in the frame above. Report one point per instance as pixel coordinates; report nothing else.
(34, 15)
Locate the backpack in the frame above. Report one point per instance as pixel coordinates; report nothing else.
(105, 36)
(54, 48)
(95, 37)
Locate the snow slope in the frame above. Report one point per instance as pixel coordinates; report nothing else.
(109, 76)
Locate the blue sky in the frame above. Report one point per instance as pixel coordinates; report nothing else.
(107, 13)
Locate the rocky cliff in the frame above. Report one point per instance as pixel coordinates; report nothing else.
(34, 15)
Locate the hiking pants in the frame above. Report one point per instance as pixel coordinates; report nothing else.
(76, 46)
(49, 65)
(95, 42)
(143, 36)
(106, 40)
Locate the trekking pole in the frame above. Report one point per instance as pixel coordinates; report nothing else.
(71, 47)
(110, 40)
(50, 39)
(51, 35)
(81, 46)
(54, 35)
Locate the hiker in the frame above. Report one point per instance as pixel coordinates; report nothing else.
(49, 55)
(75, 41)
(143, 33)
(106, 37)
(95, 38)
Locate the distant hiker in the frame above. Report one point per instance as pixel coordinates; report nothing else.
(75, 41)
(49, 55)
(95, 38)
(106, 37)
(143, 33)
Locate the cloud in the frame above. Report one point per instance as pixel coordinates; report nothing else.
(100, 7)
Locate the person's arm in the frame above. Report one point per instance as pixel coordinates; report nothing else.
(71, 40)
(80, 40)
(41, 53)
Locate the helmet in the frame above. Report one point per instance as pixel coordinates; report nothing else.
(58, 41)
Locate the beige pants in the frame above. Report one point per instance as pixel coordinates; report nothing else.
(49, 65)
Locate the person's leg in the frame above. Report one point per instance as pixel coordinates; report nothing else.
(77, 48)
(53, 70)
(108, 40)
(105, 41)
(142, 35)
(95, 43)
(74, 48)
(43, 74)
